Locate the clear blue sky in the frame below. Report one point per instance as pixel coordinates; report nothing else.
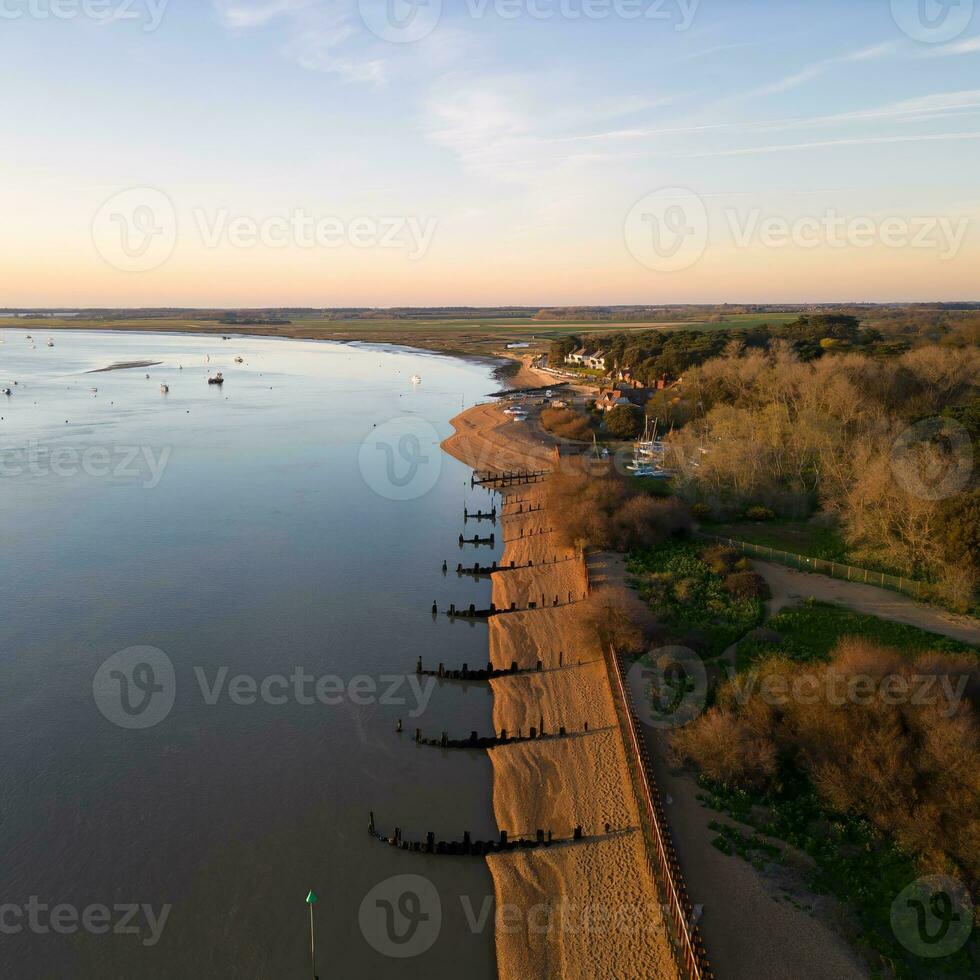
(526, 141)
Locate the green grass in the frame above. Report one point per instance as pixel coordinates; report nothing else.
(811, 631)
(797, 537)
(690, 600)
(806, 539)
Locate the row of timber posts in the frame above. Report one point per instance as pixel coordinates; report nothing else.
(468, 846)
(509, 479)
(667, 870)
(478, 569)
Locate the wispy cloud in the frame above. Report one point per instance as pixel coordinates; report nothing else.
(970, 45)
(257, 13)
(921, 108)
(822, 144)
(810, 72)
(319, 35)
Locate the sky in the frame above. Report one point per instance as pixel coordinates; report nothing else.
(383, 153)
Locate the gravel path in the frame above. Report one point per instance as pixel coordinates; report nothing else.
(789, 587)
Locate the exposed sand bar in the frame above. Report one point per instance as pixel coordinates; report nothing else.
(591, 910)
(125, 366)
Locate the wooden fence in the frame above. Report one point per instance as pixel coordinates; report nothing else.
(691, 952)
(836, 569)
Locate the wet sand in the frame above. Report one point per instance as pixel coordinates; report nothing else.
(588, 910)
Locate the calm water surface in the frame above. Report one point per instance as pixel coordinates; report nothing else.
(254, 532)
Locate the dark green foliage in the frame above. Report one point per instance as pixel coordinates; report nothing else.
(690, 598)
(811, 631)
(624, 422)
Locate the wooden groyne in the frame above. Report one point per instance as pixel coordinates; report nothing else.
(488, 674)
(467, 847)
(482, 571)
(510, 479)
(476, 741)
(480, 515)
(478, 541)
(547, 602)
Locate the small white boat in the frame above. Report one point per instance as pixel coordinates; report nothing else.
(7, 392)
(239, 360)
(164, 389)
(50, 342)
(416, 380)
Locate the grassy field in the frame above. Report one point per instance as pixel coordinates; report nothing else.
(481, 335)
(809, 632)
(796, 537)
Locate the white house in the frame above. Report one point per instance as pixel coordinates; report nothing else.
(581, 357)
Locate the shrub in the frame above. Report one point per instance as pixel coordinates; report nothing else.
(759, 514)
(607, 618)
(701, 512)
(594, 506)
(912, 768)
(566, 424)
(720, 558)
(624, 422)
(725, 749)
(746, 585)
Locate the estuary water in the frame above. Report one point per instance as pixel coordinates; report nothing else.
(212, 599)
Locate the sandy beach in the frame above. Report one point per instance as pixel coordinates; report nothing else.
(589, 910)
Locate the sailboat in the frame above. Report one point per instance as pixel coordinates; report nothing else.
(649, 454)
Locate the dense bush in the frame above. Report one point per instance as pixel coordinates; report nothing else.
(701, 511)
(566, 424)
(686, 586)
(594, 506)
(759, 514)
(746, 585)
(911, 768)
(624, 422)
